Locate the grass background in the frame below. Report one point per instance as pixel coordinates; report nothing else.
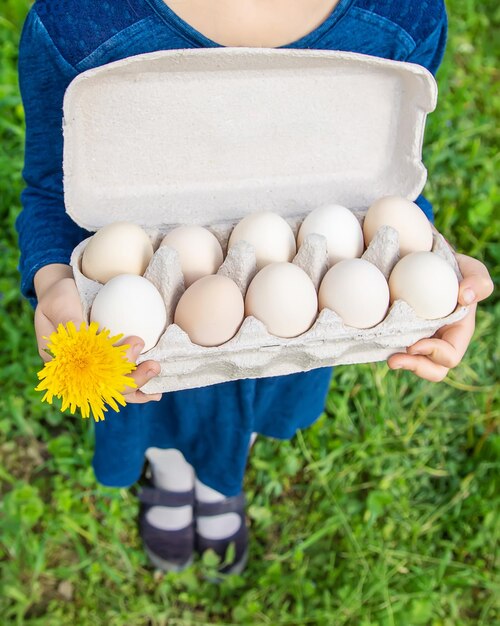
(383, 513)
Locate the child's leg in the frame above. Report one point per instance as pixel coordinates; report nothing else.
(170, 526)
(173, 473)
(220, 523)
(166, 511)
(216, 526)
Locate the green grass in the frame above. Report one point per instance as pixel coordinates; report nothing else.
(383, 513)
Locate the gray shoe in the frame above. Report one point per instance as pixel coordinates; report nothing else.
(168, 550)
(234, 504)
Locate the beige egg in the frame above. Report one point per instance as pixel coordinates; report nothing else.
(414, 229)
(283, 298)
(427, 283)
(341, 229)
(357, 291)
(269, 234)
(118, 248)
(199, 251)
(130, 305)
(210, 311)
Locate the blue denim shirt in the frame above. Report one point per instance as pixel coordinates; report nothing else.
(62, 38)
(212, 425)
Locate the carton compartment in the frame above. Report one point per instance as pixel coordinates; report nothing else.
(253, 352)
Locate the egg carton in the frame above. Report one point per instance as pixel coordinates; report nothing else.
(208, 136)
(253, 352)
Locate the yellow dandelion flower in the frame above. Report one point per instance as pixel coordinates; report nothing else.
(87, 371)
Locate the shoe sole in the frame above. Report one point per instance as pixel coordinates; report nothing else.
(237, 568)
(164, 565)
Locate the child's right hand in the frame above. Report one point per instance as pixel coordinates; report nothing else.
(59, 303)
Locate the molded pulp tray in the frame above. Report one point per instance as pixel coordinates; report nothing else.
(208, 136)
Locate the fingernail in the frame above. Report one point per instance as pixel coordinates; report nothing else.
(152, 372)
(136, 350)
(468, 296)
(396, 367)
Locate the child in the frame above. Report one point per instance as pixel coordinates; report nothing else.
(197, 441)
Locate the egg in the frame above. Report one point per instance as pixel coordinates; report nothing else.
(427, 283)
(414, 229)
(283, 298)
(199, 251)
(130, 305)
(340, 227)
(118, 248)
(269, 234)
(210, 311)
(357, 291)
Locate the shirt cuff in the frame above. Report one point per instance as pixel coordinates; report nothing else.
(31, 266)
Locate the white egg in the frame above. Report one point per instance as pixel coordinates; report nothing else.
(427, 283)
(210, 311)
(199, 251)
(270, 235)
(414, 229)
(340, 227)
(130, 305)
(357, 291)
(117, 248)
(283, 298)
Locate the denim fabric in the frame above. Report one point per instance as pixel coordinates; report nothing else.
(212, 426)
(62, 38)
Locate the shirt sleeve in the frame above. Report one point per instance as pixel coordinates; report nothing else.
(429, 53)
(46, 233)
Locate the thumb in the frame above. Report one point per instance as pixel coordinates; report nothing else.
(59, 304)
(45, 326)
(76, 317)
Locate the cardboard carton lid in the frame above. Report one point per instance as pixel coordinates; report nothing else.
(208, 135)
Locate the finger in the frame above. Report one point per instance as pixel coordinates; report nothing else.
(139, 397)
(476, 284)
(142, 374)
(438, 351)
(449, 344)
(460, 334)
(135, 347)
(446, 349)
(421, 366)
(145, 372)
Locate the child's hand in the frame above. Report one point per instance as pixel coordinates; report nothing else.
(432, 358)
(59, 303)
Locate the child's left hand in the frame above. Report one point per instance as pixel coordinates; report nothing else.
(432, 358)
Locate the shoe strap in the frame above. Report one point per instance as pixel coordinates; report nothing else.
(233, 504)
(154, 496)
